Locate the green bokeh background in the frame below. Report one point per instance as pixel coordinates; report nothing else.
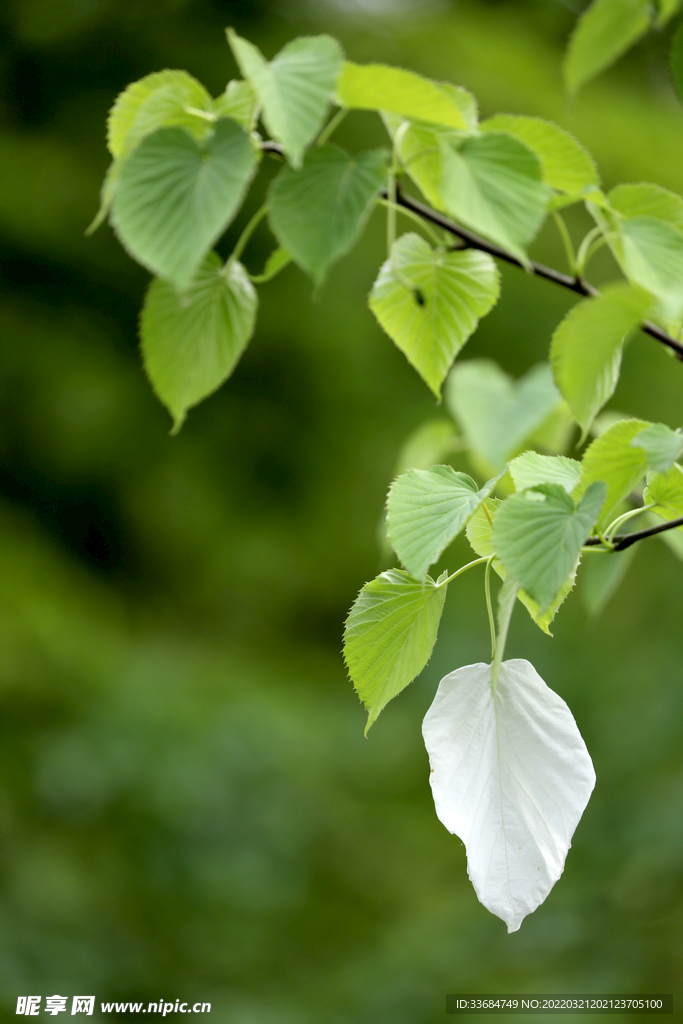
(188, 808)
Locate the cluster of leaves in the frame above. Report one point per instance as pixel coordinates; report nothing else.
(183, 163)
(608, 28)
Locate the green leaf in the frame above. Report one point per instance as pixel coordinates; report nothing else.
(565, 165)
(479, 533)
(238, 102)
(496, 413)
(379, 87)
(667, 9)
(318, 212)
(426, 510)
(277, 261)
(650, 252)
(647, 200)
(530, 469)
(493, 184)
(666, 491)
(538, 536)
(164, 99)
(606, 30)
(389, 636)
(430, 301)
(507, 597)
(676, 61)
(586, 348)
(175, 198)
(662, 446)
(612, 459)
(294, 89)
(430, 443)
(601, 575)
(191, 343)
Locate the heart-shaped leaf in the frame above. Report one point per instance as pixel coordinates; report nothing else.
(390, 634)
(603, 32)
(191, 343)
(662, 445)
(646, 200)
(665, 490)
(538, 536)
(497, 414)
(379, 87)
(426, 510)
(318, 212)
(531, 469)
(511, 776)
(429, 302)
(294, 89)
(175, 198)
(614, 460)
(164, 99)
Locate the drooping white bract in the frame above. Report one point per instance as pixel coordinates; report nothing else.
(511, 776)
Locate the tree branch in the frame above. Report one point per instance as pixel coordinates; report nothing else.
(574, 284)
(625, 540)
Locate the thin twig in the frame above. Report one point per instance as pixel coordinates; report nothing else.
(625, 540)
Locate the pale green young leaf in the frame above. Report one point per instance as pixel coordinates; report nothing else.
(426, 510)
(277, 261)
(496, 413)
(493, 184)
(317, 213)
(191, 343)
(430, 443)
(601, 575)
(538, 536)
(676, 61)
(650, 252)
(379, 87)
(565, 165)
(174, 198)
(612, 459)
(647, 200)
(164, 99)
(238, 102)
(530, 469)
(479, 532)
(667, 9)
(662, 445)
(294, 89)
(389, 636)
(602, 34)
(555, 432)
(586, 348)
(430, 301)
(665, 490)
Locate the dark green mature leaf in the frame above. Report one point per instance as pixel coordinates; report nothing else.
(676, 61)
(538, 536)
(612, 459)
(294, 89)
(605, 31)
(175, 198)
(318, 212)
(497, 414)
(530, 469)
(379, 87)
(661, 444)
(390, 634)
(429, 302)
(586, 348)
(666, 491)
(426, 510)
(480, 535)
(164, 99)
(565, 165)
(191, 343)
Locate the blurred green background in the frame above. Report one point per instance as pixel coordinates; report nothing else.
(188, 808)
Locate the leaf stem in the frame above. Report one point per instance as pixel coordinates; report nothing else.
(625, 540)
(613, 526)
(489, 606)
(461, 570)
(582, 254)
(331, 126)
(245, 236)
(567, 241)
(414, 217)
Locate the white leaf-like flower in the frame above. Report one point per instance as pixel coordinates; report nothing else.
(511, 777)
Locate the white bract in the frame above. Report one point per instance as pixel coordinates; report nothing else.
(511, 776)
